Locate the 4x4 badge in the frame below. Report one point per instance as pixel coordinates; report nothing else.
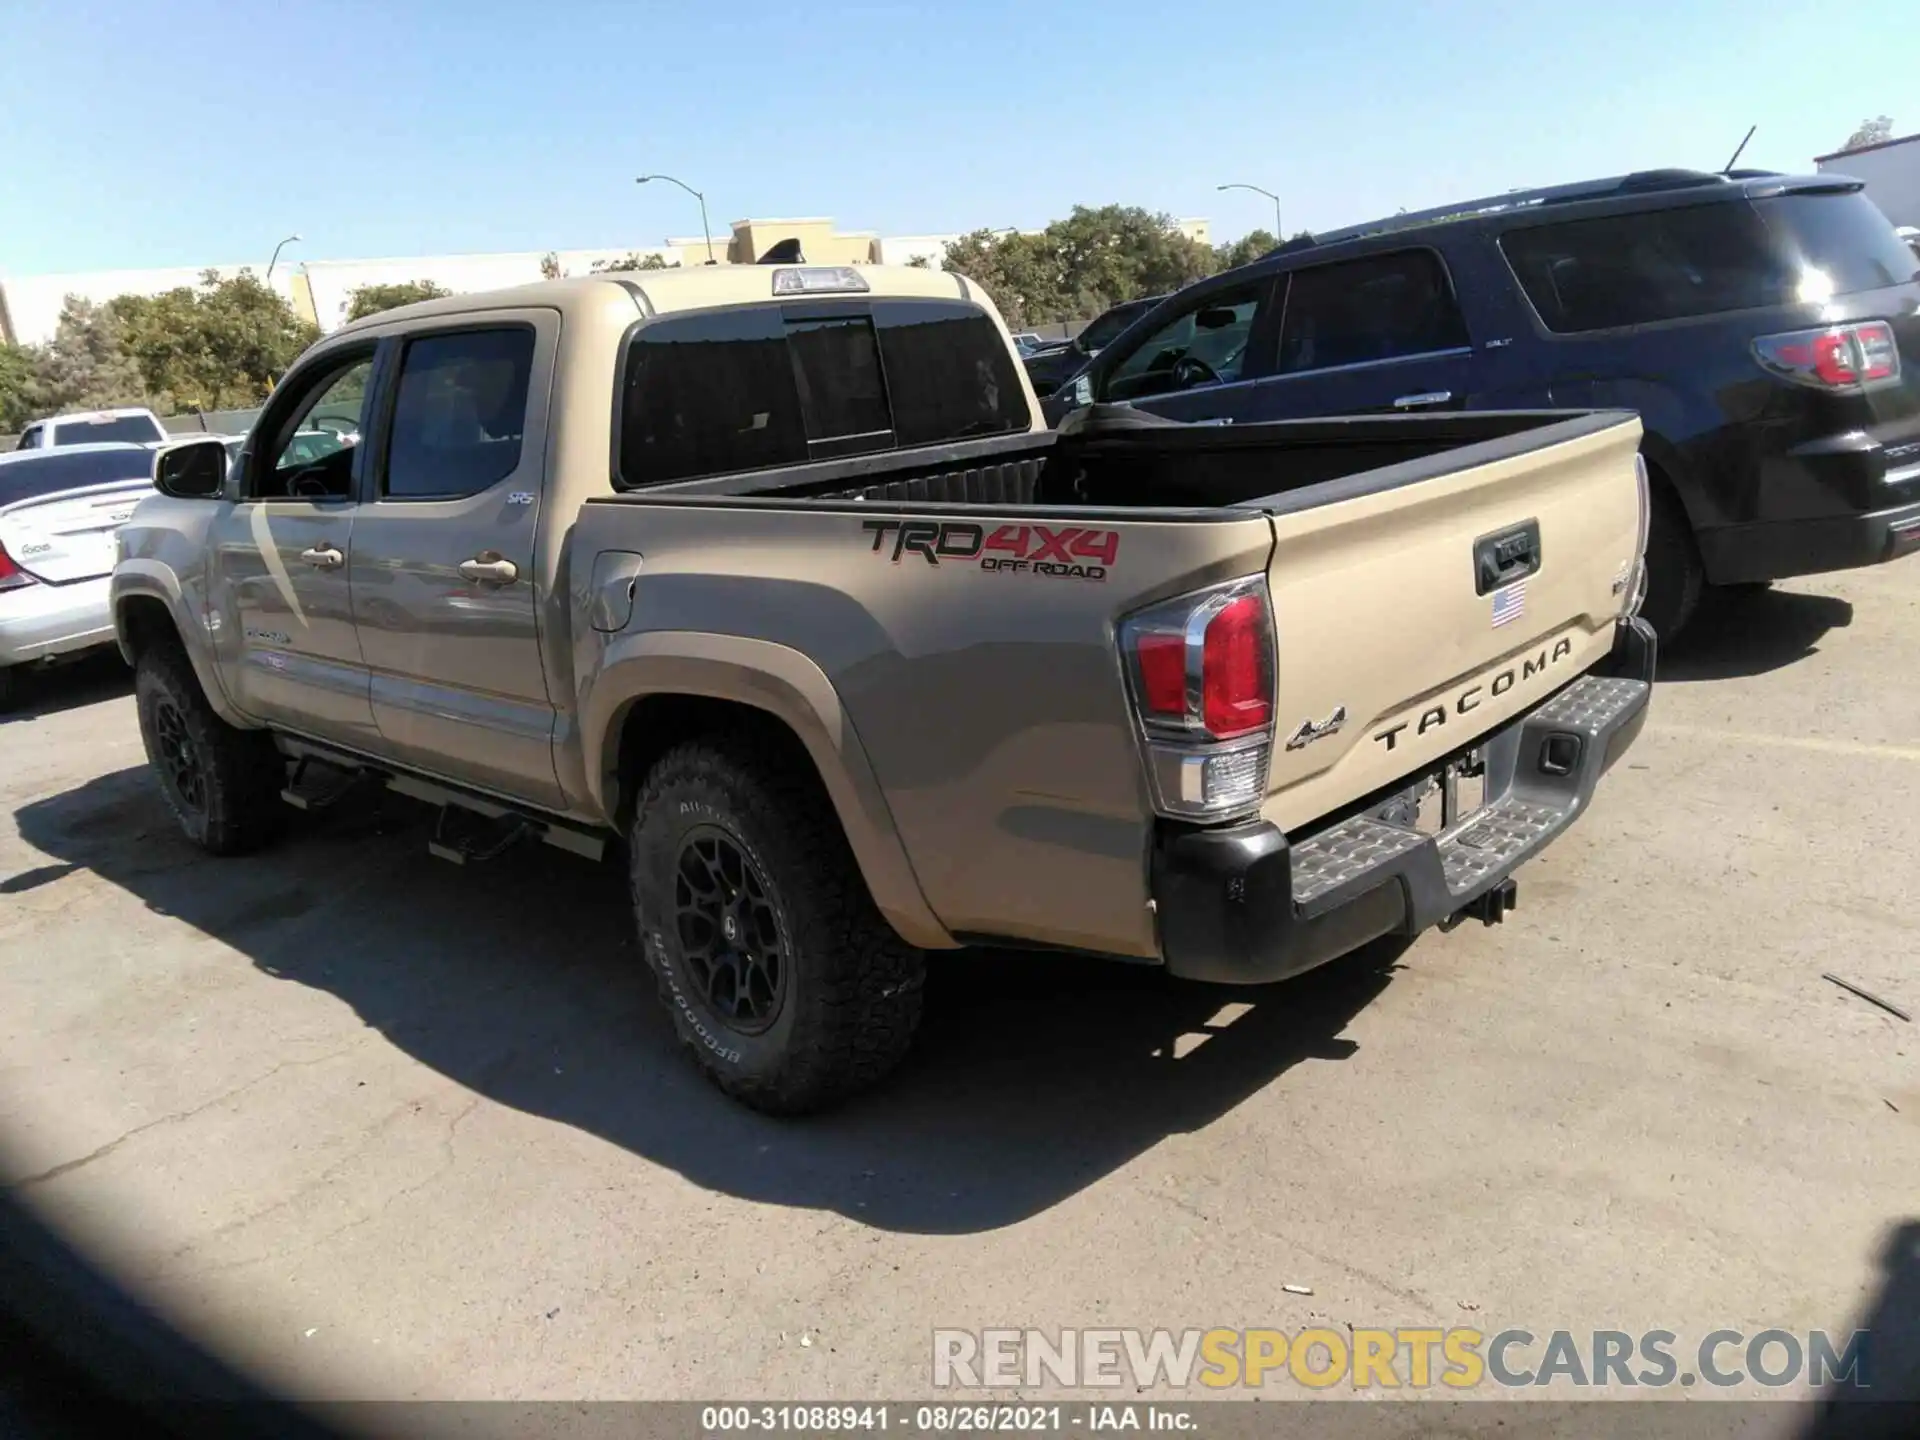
(1312, 730)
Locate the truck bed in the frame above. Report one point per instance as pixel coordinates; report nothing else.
(1132, 461)
(962, 606)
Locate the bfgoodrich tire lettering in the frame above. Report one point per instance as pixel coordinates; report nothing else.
(222, 784)
(849, 991)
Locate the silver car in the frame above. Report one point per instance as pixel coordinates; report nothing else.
(59, 512)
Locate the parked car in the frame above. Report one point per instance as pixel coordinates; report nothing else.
(862, 660)
(59, 509)
(1765, 327)
(94, 427)
(1910, 236)
(1027, 342)
(1048, 367)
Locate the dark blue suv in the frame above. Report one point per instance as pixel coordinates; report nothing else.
(1765, 327)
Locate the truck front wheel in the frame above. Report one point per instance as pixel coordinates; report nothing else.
(223, 784)
(782, 979)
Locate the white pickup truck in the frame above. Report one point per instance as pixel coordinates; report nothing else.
(131, 425)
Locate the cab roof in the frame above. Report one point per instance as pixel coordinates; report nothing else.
(690, 287)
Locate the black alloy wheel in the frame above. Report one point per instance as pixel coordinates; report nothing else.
(729, 931)
(178, 765)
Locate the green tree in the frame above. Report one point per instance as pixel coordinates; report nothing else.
(1245, 250)
(634, 260)
(18, 408)
(86, 365)
(219, 346)
(372, 299)
(1079, 266)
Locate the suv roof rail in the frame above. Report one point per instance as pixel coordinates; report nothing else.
(1639, 182)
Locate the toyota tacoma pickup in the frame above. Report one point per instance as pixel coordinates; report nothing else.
(771, 579)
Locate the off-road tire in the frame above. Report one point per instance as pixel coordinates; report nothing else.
(852, 989)
(230, 804)
(1675, 577)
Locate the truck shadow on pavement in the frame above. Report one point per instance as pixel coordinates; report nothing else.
(39, 692)
(1737, 633)
(1035, 1076)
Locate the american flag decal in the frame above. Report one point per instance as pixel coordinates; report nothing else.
(1509, 603)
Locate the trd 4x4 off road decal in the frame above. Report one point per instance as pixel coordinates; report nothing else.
(1069, 552)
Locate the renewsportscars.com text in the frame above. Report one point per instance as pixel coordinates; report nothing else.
(1403, 1357)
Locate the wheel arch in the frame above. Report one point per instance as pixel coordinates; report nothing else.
(661, 689)
(149, 610)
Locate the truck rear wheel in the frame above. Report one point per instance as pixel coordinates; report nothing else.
(223, 784)
(782, 979)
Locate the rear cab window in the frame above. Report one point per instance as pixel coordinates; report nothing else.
(126, 429)
(722, 391)
(1678, 263)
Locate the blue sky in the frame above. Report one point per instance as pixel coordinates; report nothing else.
(201, 131)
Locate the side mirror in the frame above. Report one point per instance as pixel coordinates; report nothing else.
(192, 470)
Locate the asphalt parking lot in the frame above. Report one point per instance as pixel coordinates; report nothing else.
(386, 1127)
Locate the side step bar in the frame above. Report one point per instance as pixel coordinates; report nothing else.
(469, 826)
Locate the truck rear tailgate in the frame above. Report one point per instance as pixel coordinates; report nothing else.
(1415, 611)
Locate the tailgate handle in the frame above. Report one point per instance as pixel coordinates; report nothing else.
(1505, 556)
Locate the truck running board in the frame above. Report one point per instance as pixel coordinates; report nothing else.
(468, 827)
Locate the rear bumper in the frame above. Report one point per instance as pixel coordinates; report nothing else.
(40, 621)
(1780, 549)
(1243, 905)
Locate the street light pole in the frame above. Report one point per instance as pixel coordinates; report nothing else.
(276, 256)
(704, 230)
(1278, 236)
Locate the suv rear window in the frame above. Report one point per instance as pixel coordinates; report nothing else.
(1671, 264)
(717, 392)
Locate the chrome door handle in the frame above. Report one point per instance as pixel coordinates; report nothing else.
(1425, 397)
(489, 569)
(323, 556)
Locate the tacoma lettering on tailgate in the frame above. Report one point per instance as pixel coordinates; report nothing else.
(1469, 699)
(1064, 552)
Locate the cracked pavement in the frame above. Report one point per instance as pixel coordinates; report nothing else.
(377, 1126)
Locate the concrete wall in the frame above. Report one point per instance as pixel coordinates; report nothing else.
(1892, 173)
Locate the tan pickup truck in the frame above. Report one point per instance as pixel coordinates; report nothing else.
(772, 575)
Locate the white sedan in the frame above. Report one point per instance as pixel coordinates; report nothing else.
(59, 511)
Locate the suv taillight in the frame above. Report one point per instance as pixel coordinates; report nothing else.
(12, 577)
(1201, 675)
(1839, 357)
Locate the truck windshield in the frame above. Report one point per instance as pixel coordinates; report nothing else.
(134, 429)
(47, 472)
(1670, 264)
(718, 392)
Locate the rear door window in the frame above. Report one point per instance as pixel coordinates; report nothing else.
(1386, 307)
(717, 392)
(1677, 263)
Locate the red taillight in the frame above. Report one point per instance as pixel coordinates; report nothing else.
(1162, 660)
(1236, 680)
(1840, 357)
(11, 575)
(1206, 743)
